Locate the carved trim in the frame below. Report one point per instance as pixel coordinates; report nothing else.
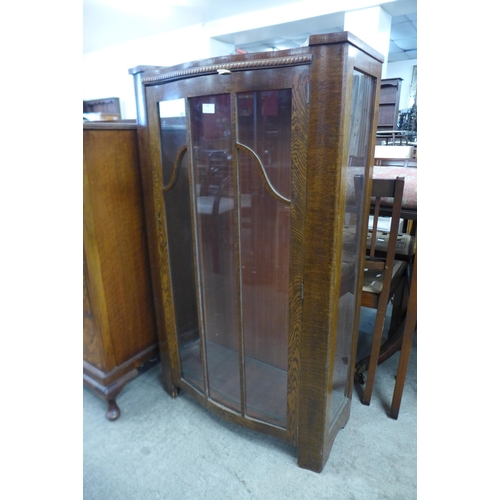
(231, 66)
(180, 155)
(263, 174)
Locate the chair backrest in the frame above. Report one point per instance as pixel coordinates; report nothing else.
(383, 189)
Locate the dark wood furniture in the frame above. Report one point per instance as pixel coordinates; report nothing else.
(119, 331)
(409, 206)
(108, 106)
(394, 137)
(406, 343)
(390, 93)
(384, 274)
(254, 236)
(401, 331)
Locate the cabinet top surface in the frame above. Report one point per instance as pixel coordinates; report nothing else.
(110, 125)
(305, 51)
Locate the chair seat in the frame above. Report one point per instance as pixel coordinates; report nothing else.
(373, 282)
(405, 243)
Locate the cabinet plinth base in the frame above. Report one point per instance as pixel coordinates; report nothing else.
(111, 392)
(108, 386)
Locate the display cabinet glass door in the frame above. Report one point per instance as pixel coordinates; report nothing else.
(363, 95)
(227, 193)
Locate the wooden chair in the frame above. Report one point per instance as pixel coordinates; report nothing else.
(404, 357)
(384, 276)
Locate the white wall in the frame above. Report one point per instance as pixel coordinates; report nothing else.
(404, 70)
(105, 72)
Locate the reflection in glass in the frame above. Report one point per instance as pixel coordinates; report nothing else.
(176, 197)
(264, 131)
(215, 230)
(242, 246)
(362, 96)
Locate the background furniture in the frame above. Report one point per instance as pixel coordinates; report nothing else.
(384, 275)
(408, 252)
(255, 244)
(119, 332)
(388, 110)
(106, 109)
(407, 121)
(392, 137)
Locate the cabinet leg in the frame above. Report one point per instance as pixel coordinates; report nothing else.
(110, 392)
(113, 411)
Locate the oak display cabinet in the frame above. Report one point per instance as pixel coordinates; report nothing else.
(254, 231)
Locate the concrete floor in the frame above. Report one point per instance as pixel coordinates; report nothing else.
(163, 448)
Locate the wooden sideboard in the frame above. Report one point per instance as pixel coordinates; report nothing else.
(119, 330)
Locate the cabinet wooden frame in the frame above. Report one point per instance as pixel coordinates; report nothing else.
(321, 78)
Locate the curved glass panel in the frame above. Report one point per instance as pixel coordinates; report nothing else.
(216, 213)
(176, 196)
(238, 276)
(264, 125)
(363, 93)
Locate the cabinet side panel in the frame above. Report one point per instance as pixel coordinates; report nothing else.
(92, 345)
(265, 125)
(116, 197)
(360, 92)
(324, 176)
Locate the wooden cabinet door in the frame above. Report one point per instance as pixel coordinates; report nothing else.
(229, 171)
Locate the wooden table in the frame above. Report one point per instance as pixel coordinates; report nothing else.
(410, 191)
(402, 135)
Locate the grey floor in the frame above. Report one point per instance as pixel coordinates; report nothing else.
(163, 448)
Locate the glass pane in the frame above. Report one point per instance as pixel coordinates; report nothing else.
(264, 125)
(216, 238)
(177, 207)
(361, 119)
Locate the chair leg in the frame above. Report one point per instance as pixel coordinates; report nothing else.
(399, 306)
(404, 357)
(375, 351)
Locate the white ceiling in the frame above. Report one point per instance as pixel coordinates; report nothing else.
(110, 22)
